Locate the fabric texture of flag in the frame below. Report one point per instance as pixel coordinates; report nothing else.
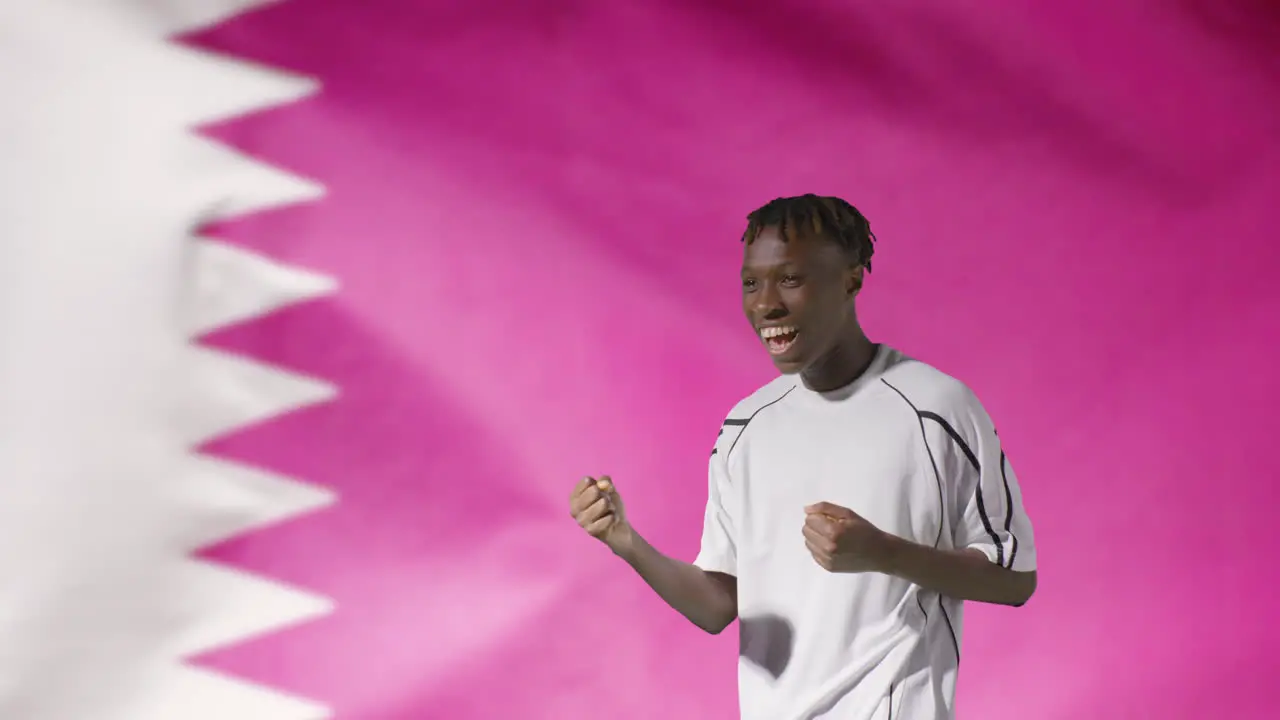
(312, 312)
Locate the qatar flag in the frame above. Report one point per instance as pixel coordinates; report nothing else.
(313, 312)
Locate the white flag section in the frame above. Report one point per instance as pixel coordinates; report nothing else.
(102, 395)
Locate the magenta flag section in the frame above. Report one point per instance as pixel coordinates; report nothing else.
(533, 210)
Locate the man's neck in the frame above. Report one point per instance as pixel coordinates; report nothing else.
(842, 365)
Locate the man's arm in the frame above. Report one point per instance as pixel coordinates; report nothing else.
(706, 591)
(995, 559)
(707, 596)
(961, 574)
(995, 556)
(840, 540)
(708, 599)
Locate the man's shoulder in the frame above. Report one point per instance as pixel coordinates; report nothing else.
(929, 389)
(764, 396)
(735, 423)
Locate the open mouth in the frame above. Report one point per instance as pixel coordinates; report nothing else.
(779, 339)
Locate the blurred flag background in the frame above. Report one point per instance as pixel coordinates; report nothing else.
(312, 312)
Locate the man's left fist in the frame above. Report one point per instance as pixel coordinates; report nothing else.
(841, 541)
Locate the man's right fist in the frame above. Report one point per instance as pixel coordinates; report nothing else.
(597, 508)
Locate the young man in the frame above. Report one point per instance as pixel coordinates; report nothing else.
(855, 502)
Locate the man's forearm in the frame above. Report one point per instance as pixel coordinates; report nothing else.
(709, 602)
(960, 574)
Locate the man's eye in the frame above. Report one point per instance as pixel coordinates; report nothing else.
(790, 279)
(748, 284)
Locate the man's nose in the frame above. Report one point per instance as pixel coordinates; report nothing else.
(768, 303)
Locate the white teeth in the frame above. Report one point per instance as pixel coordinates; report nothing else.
(772, 332)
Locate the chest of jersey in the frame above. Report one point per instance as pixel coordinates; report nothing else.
(872, 461)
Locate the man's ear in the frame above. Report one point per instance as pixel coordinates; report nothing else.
(853, 281)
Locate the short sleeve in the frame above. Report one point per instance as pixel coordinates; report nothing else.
(990, 513)
(719, 551)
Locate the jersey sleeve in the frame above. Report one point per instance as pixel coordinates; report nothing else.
(990, 516)
(719, 552)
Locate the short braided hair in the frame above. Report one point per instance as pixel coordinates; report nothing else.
(828, 217)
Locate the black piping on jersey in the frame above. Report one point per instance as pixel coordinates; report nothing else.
(1008, 513)
(946, 616)
(964, 447)
(891, 687)
(977, 467)
(942, 504)
(734, 421)
(942, 509)
(744, 421)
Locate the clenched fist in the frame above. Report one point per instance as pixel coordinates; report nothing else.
(597, 508)
(842, 541)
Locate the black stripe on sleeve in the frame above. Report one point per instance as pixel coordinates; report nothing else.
(973, 460)
(964, 447)
(743, 422)
(977, 493)
(1008, 511)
